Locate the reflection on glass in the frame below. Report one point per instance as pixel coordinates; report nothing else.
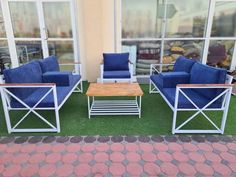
(224, 22)
(5, 60)
(2, 27)
(141, 18)
(24, 19)
(189, 49)
(28, 50)
(220, 53)
(143, 54)
(186, 18)
(63, 50)
(58, 19)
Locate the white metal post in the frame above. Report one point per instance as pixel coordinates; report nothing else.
(89, 107)
(56, 109)
(175, 110)
(6, 111)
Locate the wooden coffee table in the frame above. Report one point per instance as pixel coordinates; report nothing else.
(114, 106)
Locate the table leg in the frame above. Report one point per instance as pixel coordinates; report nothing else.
(89, 108)
(140, 107)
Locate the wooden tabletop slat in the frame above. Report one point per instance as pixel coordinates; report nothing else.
(114, 89)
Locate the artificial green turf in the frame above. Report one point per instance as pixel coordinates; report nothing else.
(156, 119)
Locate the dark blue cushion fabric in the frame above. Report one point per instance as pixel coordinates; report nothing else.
(28, 73)
(60, 78)
(62, 92)
(183, 64)
(116, 61)
(204, 74)
(171, 79)
(49, 64)
(183, 102)
(116, 74)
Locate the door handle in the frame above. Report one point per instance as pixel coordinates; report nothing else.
(46, 33)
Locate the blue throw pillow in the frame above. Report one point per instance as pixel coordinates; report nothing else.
(183, 64)
(116, 61)
(49, 64)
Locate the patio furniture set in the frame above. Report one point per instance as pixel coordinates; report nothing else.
(40, 85)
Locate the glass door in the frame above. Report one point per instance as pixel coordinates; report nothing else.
(222, 35)
(26, 30)
(42, 28)
(59, 29)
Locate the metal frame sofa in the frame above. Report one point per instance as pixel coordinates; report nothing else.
(116, 67)
(38, 85)
(194, 87)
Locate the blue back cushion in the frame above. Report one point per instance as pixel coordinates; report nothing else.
(116, 61)
(204, 74)
(49, 64)
(183, 64)
(28, 73)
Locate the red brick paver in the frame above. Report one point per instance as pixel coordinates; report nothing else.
(118, 159)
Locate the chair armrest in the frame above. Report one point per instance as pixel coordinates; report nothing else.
(205, 86)
(60, 78)
(153, 67)
(171, 79)
(27, 85)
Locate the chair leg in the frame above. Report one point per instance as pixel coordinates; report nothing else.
(174, 121)
(57, 120)
(6, 111)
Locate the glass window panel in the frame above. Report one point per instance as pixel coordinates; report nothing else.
(5, 59)
(58, 19)
(186, 18)
(2, 27)
(190, 49)
(141, 18)
(220, 53)
(29, 50)
(224, 21)
(64, 51)
(143, 54)
(24, 19)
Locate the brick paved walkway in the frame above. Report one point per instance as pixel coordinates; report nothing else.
(118, 156)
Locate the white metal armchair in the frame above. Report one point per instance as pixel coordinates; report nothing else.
(116, 67)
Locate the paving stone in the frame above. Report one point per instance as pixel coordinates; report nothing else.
(35, 139)
(157, 139)
(49, 139)
(89, 139)
(185, 139)
(171, 138)
(226, 139)
(117, 139)
(134, 169)
(144, 139)
(103, 139)
(62, 139)
(198, 138)
(212, 139)
(21, 140)
(187, 169)
(76, 139)
(130, 139)
(7, 140)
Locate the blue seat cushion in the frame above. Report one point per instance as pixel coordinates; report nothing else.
(183, 64)
(171, 79)
(60, 78)
(116, 74)
(28, 73)
(183, 102)
(48, 101)
(49, 64)
(116, 61)
(204, 74)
